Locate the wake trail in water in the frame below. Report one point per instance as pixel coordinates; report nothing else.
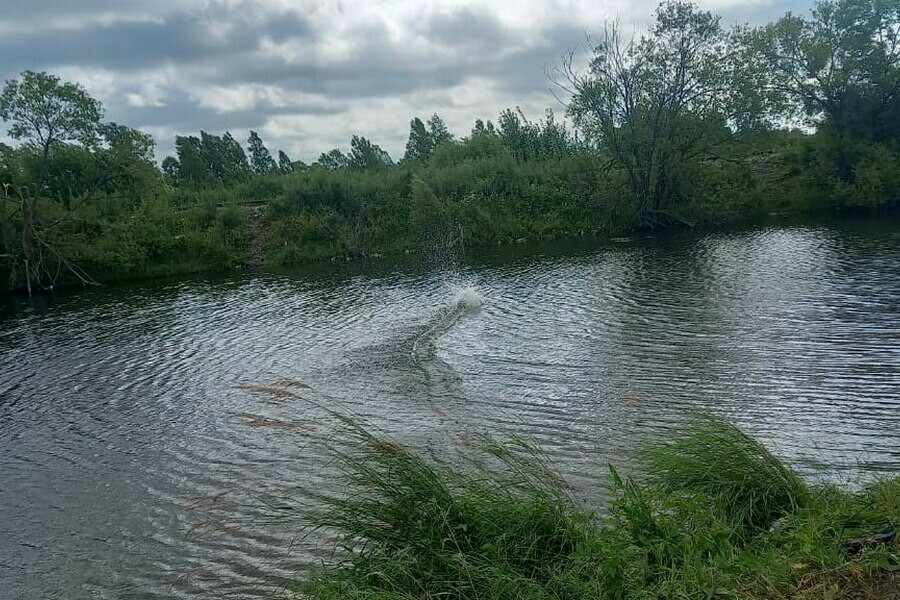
(465, 301)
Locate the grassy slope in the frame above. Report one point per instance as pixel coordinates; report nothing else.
(697, 525)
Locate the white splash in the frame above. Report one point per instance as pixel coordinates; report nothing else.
(468, 298)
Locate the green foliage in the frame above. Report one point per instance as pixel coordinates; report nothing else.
(333, 160)
(191, 166)
(43, 110)
(839, 68)
(750, 486)
(656, 104)
(260, 159)
(366, 155)
(284, 163)
(126, 164)
(424, 141)
(876, 180)
(525, 140)
(685, 125)
(499, 523)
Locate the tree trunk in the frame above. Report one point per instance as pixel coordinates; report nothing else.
(28, 239)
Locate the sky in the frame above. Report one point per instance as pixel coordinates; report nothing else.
(307, 75)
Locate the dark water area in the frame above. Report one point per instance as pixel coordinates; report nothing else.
(137, 462)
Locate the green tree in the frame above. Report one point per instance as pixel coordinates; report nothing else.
(419, 145)
(127, 142)
(126, 163)
(191, 166)
(44, 111)
(9, 167)
(237, 167)
(481, 129)
(425, 138)
(171, 168)
(840, 69)
(656, 104)
(260, 159)
(71, 172)
(284, 162)
(365, 155)
(527, 140)
(212, 153)
(438, 131)
(333, 160)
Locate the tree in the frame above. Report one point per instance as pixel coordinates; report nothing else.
(333, 160)
(365, 155)
(419, 145)
(171, 168)
(236, 165)
(260, 159)
(9, 168)
(423, 140)
(191, 166)
(657, 103)
(128, 142)
(127, 161)
(527, 140)
(44, 111)
(284, 162)
(840, 69)
(481, 129)
(70, 172)
(438, 131)
(212, 154)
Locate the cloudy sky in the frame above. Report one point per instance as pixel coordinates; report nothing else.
(307, 74)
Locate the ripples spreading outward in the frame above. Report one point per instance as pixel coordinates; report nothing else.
(149, 434)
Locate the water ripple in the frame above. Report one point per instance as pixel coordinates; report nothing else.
(145, 458)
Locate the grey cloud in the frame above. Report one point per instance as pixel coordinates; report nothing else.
(185, 114)
(177, 38)
(35, 10)
(466, 25)
(381, 67)
(139, 39)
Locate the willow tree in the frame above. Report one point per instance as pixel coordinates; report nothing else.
(655, 103)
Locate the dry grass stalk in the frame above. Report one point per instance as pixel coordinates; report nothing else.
(253, 420)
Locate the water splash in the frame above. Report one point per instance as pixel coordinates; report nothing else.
(469, 299)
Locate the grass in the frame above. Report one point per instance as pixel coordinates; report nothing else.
(749, 485)
(713, 514)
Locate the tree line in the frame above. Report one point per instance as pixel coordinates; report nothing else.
(688, 122)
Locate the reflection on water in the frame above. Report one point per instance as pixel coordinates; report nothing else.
(147, 431)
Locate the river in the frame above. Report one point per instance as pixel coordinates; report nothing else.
(145, 444)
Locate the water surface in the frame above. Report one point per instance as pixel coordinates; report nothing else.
(136, 466)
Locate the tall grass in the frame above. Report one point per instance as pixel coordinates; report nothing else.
(416, 529)
(748, 484)
(498, 523)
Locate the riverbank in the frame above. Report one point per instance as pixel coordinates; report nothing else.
(465, 199)
(711, 513)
